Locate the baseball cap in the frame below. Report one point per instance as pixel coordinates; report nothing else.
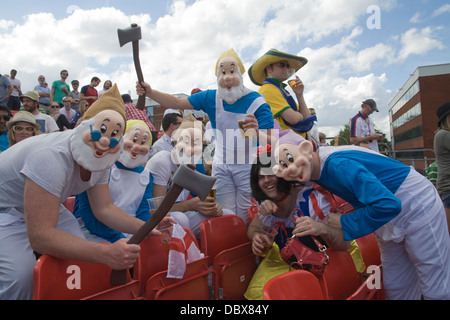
(372, 104)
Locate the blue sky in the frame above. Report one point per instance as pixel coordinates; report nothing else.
(348, 61)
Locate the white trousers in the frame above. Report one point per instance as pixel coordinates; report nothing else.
(416, 262)
(233, 190)
(17, 258)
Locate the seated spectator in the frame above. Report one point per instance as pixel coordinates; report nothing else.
(130, 185)
(191, 212)
(281, 202)
(68, 112)
(171, 122)
(23, 125)
(30, 101)
(5, 115)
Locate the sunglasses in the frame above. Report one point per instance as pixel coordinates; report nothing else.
(20, 129)
(96, 135)
(284, 65)
(6, 117)
(56, 107)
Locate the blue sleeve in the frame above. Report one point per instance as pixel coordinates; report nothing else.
(264, 116)
(143, 211)
(83, 210)
(83, 90)
(375, 204)
(205, 101)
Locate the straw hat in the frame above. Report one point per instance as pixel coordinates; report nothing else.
(23, 116)
(256, 71)
(110, 100)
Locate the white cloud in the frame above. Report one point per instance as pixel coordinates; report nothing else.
(179, 50)
(418, 42)
(444, 9)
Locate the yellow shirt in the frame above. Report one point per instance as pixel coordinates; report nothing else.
(277, 103)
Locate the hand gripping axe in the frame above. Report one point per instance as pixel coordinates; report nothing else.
(184, 178)
(134, 34)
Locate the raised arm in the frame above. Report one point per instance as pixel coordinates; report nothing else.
(164, 99)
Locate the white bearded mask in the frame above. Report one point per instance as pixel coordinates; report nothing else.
(84, 154)
(230, 81)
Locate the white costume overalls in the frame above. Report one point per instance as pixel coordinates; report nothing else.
(233, 159)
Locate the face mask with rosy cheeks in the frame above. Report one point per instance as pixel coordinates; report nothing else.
(294, 163)
(189, 147)
(230, 81)
(136, 146)
(97, 155)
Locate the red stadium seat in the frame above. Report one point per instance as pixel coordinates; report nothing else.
(57, 279)
(369, 250)
(193, 286)
(293, 285)
(340, 278)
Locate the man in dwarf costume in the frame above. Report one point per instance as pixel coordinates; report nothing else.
(130, 184)
(39, 174)
(391, 199)
(188, 211)
(269, 72)
(234, 154)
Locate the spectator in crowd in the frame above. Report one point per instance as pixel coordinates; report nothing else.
(44, 94)
(269, 72)
(75, 96)
(171, 122)
(134, 113)
(106, 85)
(60, 89)
(5, 115)
(13, 101)
(30, 101)
(130, 185)
(5, 89)
(188, 149)
(88, 92)
(442, 151)
(22, 126)
(68, 112)
(281, 204)
(42, 172)
(362, 128)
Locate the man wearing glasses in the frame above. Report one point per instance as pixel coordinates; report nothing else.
(269, 72)
(5, 115)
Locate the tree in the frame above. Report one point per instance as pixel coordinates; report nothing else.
(344, 139)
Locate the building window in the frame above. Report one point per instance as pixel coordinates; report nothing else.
(407, 116)
(414, 133)
(411, 92)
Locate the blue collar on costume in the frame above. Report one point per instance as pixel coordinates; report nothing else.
(138, 169)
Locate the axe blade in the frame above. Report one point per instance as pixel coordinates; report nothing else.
(194, 181)
(130, 34)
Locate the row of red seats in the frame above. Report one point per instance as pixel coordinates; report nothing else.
(228, 258)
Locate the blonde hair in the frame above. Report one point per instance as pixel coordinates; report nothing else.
(12, 136)
(445, 123)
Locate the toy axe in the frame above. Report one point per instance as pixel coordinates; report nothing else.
(184, 178)
(133, 34)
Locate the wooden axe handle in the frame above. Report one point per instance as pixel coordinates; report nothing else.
(137, 64)
(119, 277)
